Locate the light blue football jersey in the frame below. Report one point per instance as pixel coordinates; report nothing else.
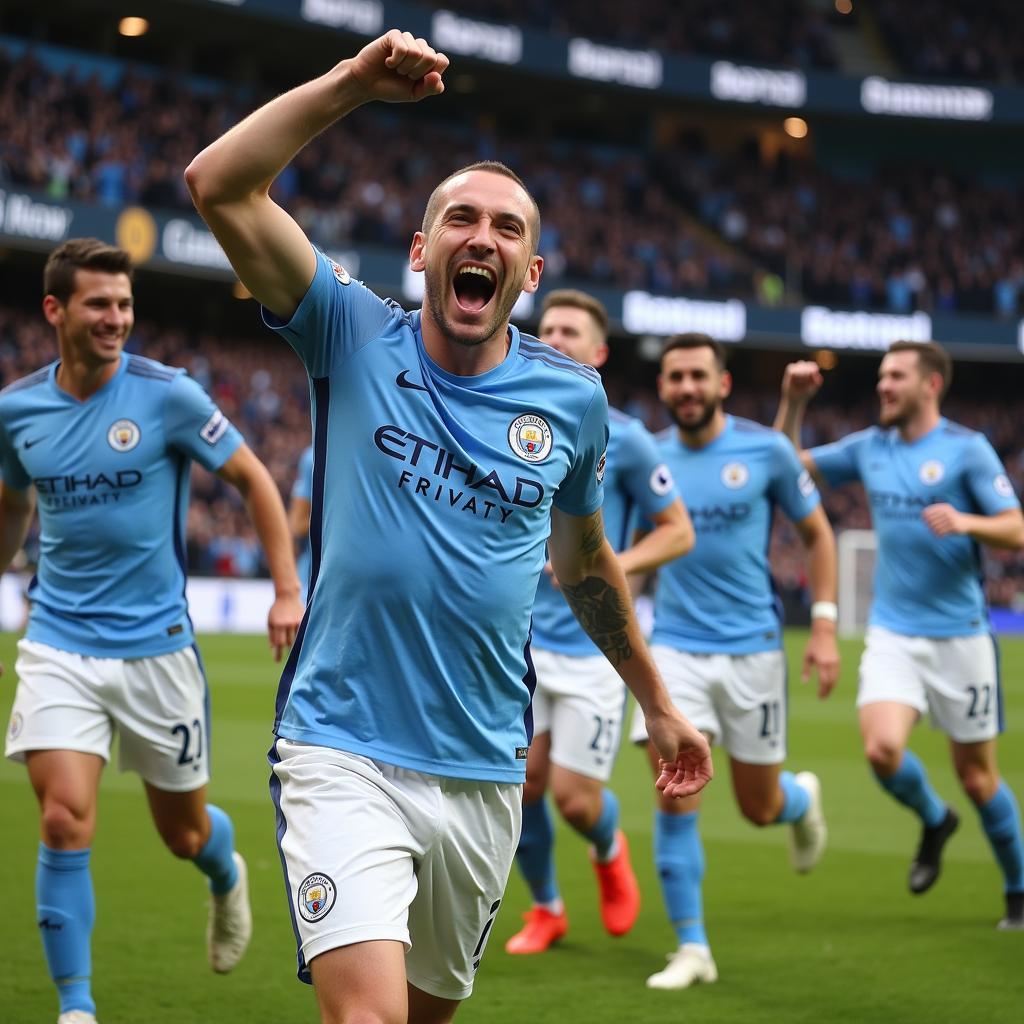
(303, 488)
(924, 585)
(719, 598)
(432, 497)
(112, 477)
(636, 482)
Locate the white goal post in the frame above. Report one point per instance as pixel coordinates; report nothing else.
(857, 549)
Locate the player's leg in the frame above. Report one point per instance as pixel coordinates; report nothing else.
(364, 982)
(891, 698)
(61, 730)
(167, 742)
(965, 697)
(678, 851)
(545, 921)
(66, 784)
(585, 733)
(975, 765)
(751, 706)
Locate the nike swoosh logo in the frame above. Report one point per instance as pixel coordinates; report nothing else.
(29, 444)
(402, 380)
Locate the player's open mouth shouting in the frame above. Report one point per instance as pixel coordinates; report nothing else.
(474, 285)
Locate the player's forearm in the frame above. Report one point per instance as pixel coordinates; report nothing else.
(244, 161)
(15, 515)
(266, 510)
(999, 531)
(789, 419)
(822, 565)
(664, 543)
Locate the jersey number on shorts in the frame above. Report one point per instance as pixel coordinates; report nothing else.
(603, 740)
(186, 741)
(479, 951)
(981, 700)
(770, 719)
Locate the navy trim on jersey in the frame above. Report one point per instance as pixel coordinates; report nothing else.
(33, 379)
(530, 679)
(143, 367)
(1000, 705)
(321, 388)
(302, 968)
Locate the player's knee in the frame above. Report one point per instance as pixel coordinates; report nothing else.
(979, 783)
(759, 813)
(63, 827)
(580, 810)
(185, 843)
(883, 755)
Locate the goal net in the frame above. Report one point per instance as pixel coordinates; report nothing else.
(857, 550)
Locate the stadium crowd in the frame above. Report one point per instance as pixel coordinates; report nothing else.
(261, 387)
(679, 220)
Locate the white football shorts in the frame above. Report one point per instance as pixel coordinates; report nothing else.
(159, 707)
(956, 679)
(372, 851)
(739, 700)
(581, 701)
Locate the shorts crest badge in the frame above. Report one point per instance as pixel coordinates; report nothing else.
(14, 730)
(316, 897)
(529, 437)
(735, 475)
(123, 435)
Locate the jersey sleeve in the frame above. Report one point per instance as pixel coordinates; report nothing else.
(986, 478)
(196, 427)
(336, 317)
(644, 474)
(303, 486)
(838, 462)
(12, 472)
(582, 491)
(792, 486)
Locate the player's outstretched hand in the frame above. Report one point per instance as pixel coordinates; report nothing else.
(943, 520)
(802, 380)
(283, 623)
(822, 654)
(398, 68)
(684, 754)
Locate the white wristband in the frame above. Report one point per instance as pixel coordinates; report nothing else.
(825, 610)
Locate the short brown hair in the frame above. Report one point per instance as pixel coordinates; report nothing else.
(932, 358)
(81, 254)
(695, 339)
(576, 299)
(491, 167)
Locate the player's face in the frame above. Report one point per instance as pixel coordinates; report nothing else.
(902, 388)
(573, 332)
(692, 387)
(95, 322)
(478, 257)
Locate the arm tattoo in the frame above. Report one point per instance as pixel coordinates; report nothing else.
(593, 536)
(601, 612)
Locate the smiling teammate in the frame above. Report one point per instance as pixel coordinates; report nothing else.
(579, 701)
(105, 440)
(937, 490)
(718, 633)
(447, 448)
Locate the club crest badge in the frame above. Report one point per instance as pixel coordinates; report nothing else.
(123, 435)
(316, 897)
(529, 437)
(931, 472)
(735, 475)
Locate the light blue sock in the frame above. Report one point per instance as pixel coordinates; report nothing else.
(796, 799)
(535, 854)
(216, 859)
(602, 835)
(1000, 818)
(911, 787)
(679, 858)
(65, 911)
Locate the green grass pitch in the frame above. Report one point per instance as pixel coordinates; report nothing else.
(846, 943)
